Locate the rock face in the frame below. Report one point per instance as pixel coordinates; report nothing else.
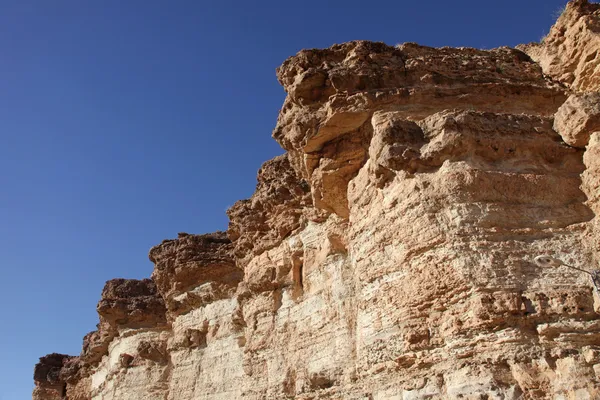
(570, 53)
(389, 254)
(194, 270)
(47, 376)
(578, 118)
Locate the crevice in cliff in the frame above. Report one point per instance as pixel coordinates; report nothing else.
(63, 391)
(297, 273)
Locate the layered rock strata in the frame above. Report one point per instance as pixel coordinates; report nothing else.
(389, 253)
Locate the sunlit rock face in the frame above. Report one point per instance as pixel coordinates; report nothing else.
(570, 53)
(194, 270)
(389, 253)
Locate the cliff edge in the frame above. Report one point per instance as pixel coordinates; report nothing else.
(389, 253)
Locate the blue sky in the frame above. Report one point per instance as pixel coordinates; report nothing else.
(125, 122)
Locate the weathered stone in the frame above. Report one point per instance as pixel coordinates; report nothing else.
(280, 204)
(578, 118)
(47, 376)
(390, 253)
(324, 122)
(131, 303)
(193, 270)
(570, 53)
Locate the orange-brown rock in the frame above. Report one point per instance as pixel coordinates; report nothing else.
(194, 269)
(46, 374)
(131, 303)
(391, 252)
(125, 304)
(578, 118)
(325, 120)
(280, 204)
(570, 53)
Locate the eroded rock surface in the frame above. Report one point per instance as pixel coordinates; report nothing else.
(47, 376)
(578, 118)
(193, 270)
(280, 204)
(570, 53)
(389, 254)
(332, 94)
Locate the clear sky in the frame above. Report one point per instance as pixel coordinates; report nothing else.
(125, 122)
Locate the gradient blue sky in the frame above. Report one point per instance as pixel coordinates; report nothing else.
(125, 122)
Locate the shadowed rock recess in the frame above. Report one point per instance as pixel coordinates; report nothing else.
(388, 254)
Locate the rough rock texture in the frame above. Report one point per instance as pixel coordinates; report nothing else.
(129, 303)
(332, 94)
(279, 205)
(389, 254)
(578, 118)
(194, 270)
(47, 377)
(570, 53)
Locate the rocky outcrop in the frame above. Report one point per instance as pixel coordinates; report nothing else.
(332, 94)
(47, 376)
(452, 296)
(280, 205)
(126, 305)
(390, 252)
(194, 270)
(578, 118)
(129, 303)
(570, 53)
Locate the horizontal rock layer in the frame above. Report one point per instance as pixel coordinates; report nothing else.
(389, 253)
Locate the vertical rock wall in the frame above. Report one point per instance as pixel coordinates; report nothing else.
(389, 254)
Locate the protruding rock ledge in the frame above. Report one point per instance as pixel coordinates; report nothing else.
(131, 303)
(333, 93)
(277, 207)
(578, 118)
(389, 253)
(50, 385)
(194, 269)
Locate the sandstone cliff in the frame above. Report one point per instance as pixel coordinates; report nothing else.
(389, 254)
